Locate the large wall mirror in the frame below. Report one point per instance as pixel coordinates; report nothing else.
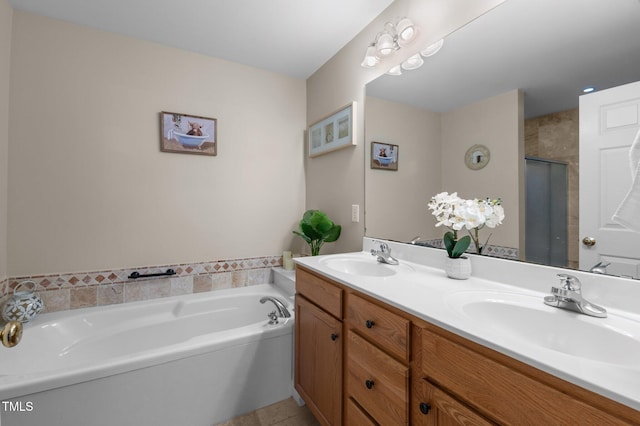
(511, 82)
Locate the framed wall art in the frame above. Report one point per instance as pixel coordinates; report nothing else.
(333, 132)
(188, 134)
(384, 156)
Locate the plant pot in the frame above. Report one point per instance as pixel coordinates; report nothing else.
(459, 268)
(24, 305)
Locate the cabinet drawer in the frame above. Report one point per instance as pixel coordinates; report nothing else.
(441, 409)
(388, 330)
(501, 393)
(320, 292)
(355, 416)
(377, 382)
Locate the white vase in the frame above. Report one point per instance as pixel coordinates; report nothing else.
(459, 268)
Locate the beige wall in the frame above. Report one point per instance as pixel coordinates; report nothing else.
(6, 18)
(336, 181)
(397, 200)
(89, 187)
(496, 123)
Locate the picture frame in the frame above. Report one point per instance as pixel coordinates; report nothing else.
(384, 156)
(188, 134)
(477, 157)
(333, 132)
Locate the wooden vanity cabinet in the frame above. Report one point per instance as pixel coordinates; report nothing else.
(318, 346)
(459, 382)
(359, 361)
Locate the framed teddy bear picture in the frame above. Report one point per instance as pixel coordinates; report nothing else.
(188, 134)
(384, 156)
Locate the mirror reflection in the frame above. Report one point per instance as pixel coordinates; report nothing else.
(512, 81)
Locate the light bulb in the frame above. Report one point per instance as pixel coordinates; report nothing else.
(385, 44)
(413, 62)
(370, 60)
(406, 30)
(432, 49)
(395, 70)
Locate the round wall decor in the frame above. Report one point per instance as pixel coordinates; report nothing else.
(477, 157)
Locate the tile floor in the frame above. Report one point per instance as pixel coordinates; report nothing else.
(283, 413)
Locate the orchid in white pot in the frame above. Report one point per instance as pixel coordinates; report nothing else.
(456, 214)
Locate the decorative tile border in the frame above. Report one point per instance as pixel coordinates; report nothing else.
(493, 251)
(86, 289)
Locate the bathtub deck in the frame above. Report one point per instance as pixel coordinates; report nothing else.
(283, 413)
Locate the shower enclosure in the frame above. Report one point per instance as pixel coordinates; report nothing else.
(546, 212)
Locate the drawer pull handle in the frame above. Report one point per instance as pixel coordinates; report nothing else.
(369, 323)
(425, 408)
(334, 336)
(369, 384)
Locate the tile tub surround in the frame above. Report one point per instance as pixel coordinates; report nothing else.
(87, 289)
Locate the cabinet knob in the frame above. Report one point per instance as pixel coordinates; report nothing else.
(425, 408)
(334, 336)
(369, 323)
(368, 384)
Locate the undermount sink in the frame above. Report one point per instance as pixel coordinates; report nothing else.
(614, 340)
(363, 266)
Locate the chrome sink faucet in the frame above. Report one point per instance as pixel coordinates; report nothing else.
(282, 311)
(384, 254)
(600, 267)
(569, 296)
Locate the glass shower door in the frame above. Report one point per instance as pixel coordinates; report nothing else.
(546, 212)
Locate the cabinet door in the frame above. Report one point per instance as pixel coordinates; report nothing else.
(440, 409)
(318, 361)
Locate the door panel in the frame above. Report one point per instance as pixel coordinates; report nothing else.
(609, 121)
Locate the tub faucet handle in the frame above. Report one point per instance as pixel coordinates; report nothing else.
(273, 317)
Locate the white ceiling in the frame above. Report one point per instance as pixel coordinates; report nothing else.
(292, 37)
(548, 48)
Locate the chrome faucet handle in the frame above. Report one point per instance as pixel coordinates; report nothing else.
(384, 247)
(566, 294)
(570, 282)
(273, 317)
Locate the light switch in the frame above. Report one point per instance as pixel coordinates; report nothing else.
(355, 213)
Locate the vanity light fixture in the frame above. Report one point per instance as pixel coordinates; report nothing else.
(389, 40)
(370, 59)
(406, 31)
(588, 89)
(416, 61)
(413, 62)
(432, 49)
(395, 70)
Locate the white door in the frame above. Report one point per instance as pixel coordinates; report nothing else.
(609, 121)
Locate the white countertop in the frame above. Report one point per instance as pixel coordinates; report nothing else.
(424, 290)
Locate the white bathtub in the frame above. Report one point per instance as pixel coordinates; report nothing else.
(192, 360)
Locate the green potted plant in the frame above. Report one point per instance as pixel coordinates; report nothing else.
(456, 247)
(316, 229)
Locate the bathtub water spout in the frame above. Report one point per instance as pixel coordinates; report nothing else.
(11, 334)
(282, 310)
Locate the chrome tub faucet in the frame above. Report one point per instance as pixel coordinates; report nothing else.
(569, 296)
(384, 254)
(280, 312)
